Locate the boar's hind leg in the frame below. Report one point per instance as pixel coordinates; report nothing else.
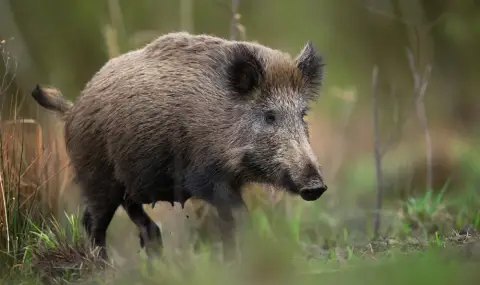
(87, 222)
(150, 234)
(98, 214)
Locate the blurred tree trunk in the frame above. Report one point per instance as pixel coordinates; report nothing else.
(186, 15)
(21, 64)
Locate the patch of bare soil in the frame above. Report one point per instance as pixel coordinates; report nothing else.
(464, 244)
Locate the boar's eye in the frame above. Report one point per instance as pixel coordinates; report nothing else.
(270, 117)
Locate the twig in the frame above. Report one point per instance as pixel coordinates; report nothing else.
(398, 121)
(186, 15)
(4, 198)
(234, 8)
(348, 111)
(9, 70)
(377, 151)
(420, 83)
(407, 22)
(387, 15)
(4, 86)
(116, 16)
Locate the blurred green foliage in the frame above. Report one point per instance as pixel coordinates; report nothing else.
(64, 42)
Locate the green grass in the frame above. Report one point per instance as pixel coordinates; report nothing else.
(275, 249)
(432, 238)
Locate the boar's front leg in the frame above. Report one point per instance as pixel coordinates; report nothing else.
(179, 193)
(231, 212)
(228, 202)
(212, 187)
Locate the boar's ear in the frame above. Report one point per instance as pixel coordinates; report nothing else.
(311, 65)
(244, 71)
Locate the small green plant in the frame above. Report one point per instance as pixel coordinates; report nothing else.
(427, 212)
(62, 251)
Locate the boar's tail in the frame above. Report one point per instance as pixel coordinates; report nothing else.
(51, 99)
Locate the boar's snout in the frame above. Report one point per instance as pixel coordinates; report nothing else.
(313, 186)
(313, 191)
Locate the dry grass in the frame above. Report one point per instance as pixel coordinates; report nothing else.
(35, 171)
(62, 251)
(20, 164)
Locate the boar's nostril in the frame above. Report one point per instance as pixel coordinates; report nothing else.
(313, 192)
(312, 185)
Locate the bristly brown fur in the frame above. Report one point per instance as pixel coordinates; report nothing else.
(282, 73)
(190, 116)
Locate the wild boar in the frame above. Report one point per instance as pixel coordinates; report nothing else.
(190, 116)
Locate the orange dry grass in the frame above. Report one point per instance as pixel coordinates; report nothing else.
(31, 173)
(21, 159)
(57, 187)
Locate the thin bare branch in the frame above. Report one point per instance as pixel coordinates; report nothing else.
(413, 68)
(428, 26)
(388, 15)
(424, 81)
(224, 5)
(398, 123)
(348, 111)
(11, 66)
(420, 84)
(234, 24)
(4, 199)
(186, 15)
(422, 117)
(377, 151)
